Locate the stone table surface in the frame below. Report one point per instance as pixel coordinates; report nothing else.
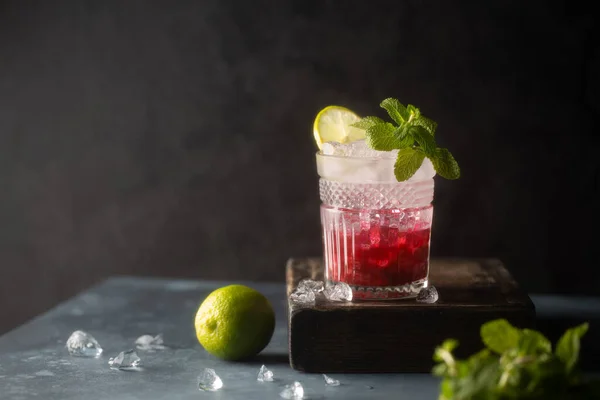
(34, 363)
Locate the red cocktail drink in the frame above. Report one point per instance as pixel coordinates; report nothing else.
(376, 230)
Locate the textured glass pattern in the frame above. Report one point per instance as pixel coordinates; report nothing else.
(376, 195)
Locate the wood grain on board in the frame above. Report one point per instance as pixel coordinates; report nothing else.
(400, 335)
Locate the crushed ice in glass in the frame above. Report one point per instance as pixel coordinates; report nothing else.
(208, 380)
(338, 291)
(357, 148)
(265, 375)
(150, 343)
(293, 391)
(306, 285)
(329, 381)
(125, 360)
(82, 344)
(428, 295)
(343, 165)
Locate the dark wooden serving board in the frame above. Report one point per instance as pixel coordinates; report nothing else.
(400, 336)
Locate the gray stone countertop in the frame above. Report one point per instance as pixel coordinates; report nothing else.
(34, 363)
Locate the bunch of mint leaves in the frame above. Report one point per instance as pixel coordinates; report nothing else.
(515, 364)
(413, 135)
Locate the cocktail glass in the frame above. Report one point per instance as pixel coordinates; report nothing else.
(376, 230)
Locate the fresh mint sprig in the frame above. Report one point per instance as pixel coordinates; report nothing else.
(515, 364)
(413, 135)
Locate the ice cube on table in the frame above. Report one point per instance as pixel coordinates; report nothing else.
(329, 381)
(306, 285)
(303, 296)
(428, 295)
(294, 391)
(150, 343)
(208, 380)
(264, 375)
(82, 344)
(338, 291)
(125, 360)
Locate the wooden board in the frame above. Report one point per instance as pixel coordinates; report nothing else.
(400, 335)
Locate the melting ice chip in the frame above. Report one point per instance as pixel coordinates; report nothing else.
(338, 291)
(125, 360)
(265, 375)
(293, 391)
(329, 381)
(149, 342)
(208, 380)
(306, 285)
(82, 344)
(307, 291)
(303, 296)
(428, 295)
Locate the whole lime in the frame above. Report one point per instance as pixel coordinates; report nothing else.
(235, 322)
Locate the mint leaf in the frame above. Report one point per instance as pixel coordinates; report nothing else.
(446, 390)
(401, 132)
(567, 347)
(409, 131)
(407, 163)
(445, 164)
(481, 383)
(449, 345)
(521, 366)
(367, 122)
(404, 139)
(426, 123)
(424, 139)
(440, 370)
(480, 357)
(395, 110)
(381, 137)
(499, 335)
(545, 379)
(533, 342)
(443, 354)
(408, 141)
(413, 112)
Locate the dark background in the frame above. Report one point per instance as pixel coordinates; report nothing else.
(174, 138)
